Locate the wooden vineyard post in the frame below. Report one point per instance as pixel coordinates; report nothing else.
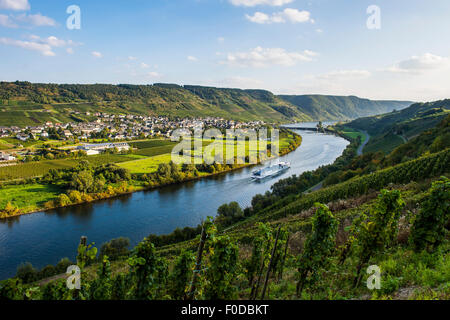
(280, 275)
(270, 264)
(255, 286)
(198, 265)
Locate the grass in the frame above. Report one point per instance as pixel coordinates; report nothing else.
(151, 143)
(353, 134)
(147, 165)
(155, 151)
(28, 198)
(4, 145)
(385, 144)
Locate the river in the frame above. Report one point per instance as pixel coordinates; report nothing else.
(46, 237)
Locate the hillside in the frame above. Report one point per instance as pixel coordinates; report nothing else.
(27, 104)
(322, 107)
(24, 103)
(392, 129)
(288, 244)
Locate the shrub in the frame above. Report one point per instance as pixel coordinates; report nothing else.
(116, 248)
(63, 200)
(27, 273)
(429, 227)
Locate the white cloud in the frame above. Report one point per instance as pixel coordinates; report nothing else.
(144, 65)
(252, 3)
(70, 51)
(287, 15)
(221, 39)
(44, 49)
(6, 21)
(154, 74)
(259, 17)
(55, 42)
(18, 5)
(345, 74)
(192, 58)
(97, 54)
(420, 64)
(37, 20)
(262, 57)
(132, 58)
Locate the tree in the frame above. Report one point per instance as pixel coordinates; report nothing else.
(429, 227)
(27, 273)
(227, 213)
(115, 248)
(82, 181)
(63, 200)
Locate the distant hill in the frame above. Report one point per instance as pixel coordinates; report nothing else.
(27, 104)
(392, 129)
(322, 107)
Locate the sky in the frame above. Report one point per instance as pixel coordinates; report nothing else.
(377, 49)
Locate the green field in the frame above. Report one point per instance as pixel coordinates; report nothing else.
(155, 151)
(28, 197)
(146, 165)
(36, 169)
(353, 134)
(385, 144)
(4, 145)
(152, 143)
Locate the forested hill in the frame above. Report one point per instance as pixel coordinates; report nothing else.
(392, 129)
(323, 107)
(25, 104)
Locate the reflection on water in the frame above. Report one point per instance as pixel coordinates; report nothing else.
(45, 238)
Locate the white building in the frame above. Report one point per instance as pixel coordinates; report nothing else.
(6, 157)
(92, 149)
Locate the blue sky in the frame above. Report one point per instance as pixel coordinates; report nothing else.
(286, 46)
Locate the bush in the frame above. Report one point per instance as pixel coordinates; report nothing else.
(116, 248)
(62, 265)
(47, 271)
(429, 227)
(63, 200)
(27, 273)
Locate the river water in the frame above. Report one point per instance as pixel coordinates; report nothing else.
(46, 237)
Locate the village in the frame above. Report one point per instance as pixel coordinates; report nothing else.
(110, 128)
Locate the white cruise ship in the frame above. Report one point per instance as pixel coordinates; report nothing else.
(271, 171)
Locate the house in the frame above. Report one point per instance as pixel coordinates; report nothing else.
(22, 137)
(6, 157)
(67, 134)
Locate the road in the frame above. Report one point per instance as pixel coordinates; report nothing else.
(361, 147)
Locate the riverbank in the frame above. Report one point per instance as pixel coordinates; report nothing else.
(24, 199)
(45, 237)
